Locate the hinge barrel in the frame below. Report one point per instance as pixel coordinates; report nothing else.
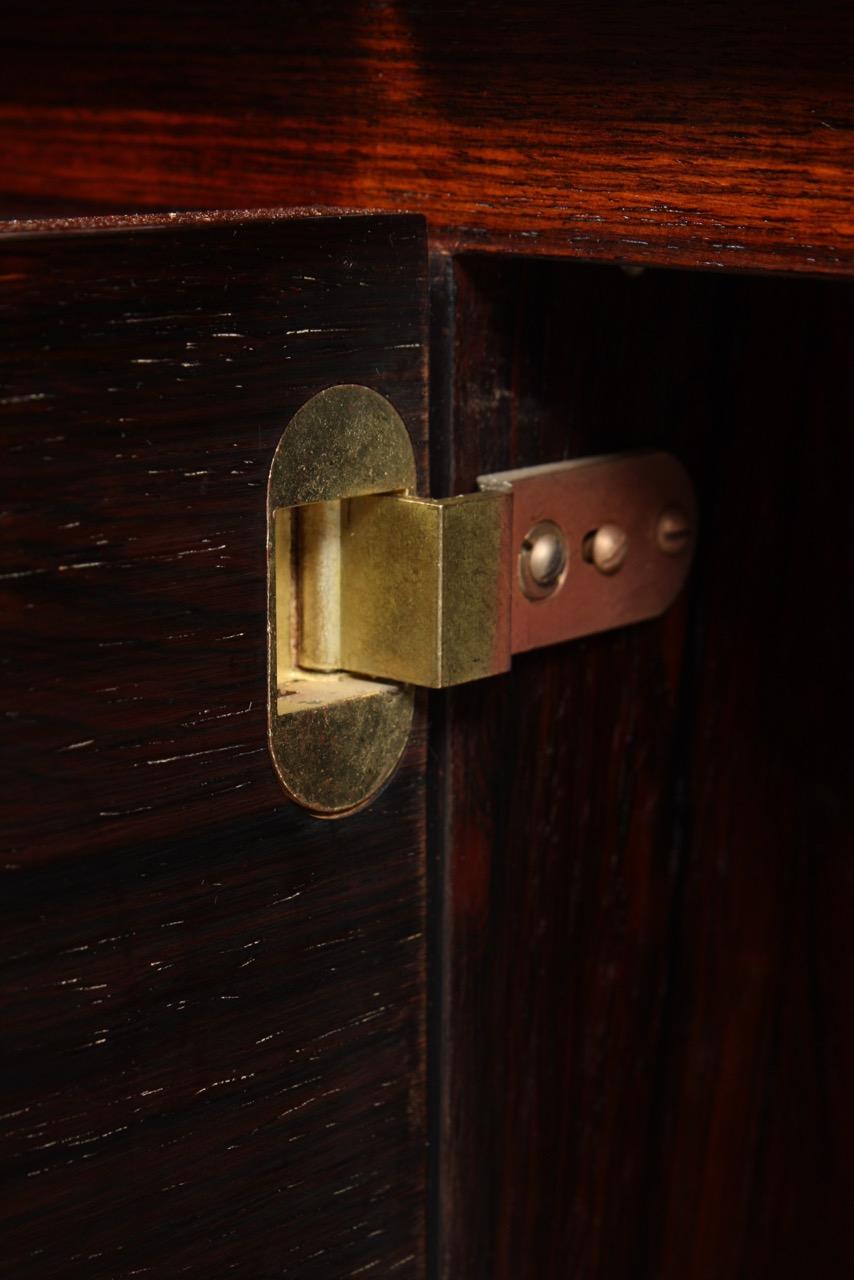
(425, 592)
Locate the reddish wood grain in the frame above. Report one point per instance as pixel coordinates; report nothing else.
(647, 835)
(213, 1003)
(712, 134)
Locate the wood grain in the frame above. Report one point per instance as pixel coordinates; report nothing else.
(707, 134)
(213, 1003)
(647, 857)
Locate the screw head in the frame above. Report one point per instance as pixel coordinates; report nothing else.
(543, 560)
(606, 548)
(674, 531)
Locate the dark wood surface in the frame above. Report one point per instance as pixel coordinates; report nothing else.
(705, 133)
(213, 1003)
(648, 875)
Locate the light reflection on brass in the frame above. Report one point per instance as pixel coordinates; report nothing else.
(335, 738)
(319, 583)
(423, 592)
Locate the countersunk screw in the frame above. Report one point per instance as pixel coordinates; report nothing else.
(606, 547)
(674, 531)
(543, 560)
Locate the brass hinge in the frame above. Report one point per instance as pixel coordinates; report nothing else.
(374, 590)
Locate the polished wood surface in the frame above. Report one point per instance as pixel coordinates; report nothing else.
(640, 1045)
(709, 134)
(645, 1026)
(213, 1004)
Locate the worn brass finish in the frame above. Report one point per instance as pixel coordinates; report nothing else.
(423, 592)
(319, 585)
(335, 738)
(343, 442)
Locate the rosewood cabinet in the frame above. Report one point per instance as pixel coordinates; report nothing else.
(570, 996)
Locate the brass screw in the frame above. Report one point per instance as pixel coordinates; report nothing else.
(543, 560)
(674, 531)
(606, 548)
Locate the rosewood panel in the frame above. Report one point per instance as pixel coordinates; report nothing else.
(648, 857)
(705, 133)
(213, 1003)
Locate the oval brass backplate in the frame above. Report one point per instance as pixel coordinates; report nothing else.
(335, 738)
